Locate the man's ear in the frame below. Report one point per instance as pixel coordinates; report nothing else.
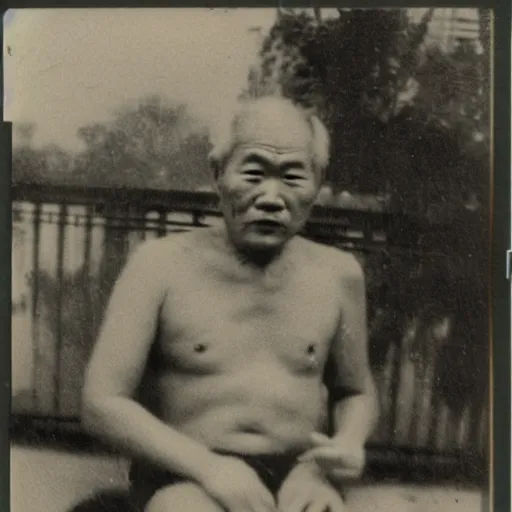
(215, 184)
(214, 165)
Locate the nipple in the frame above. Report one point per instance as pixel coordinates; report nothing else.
(200, 347)
(311, 351)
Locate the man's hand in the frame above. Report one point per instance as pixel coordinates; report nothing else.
(307, 490)
(236, 486)
(339, 458)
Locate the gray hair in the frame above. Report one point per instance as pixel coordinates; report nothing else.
(222, 135)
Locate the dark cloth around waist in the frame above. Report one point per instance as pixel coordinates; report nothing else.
(146, 480)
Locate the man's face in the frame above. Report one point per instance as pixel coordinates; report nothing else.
(268, 185)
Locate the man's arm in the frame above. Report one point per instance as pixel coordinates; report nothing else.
(117, 365)
(340, 458)
(355, 398)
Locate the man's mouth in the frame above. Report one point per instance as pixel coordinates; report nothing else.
(268, 224)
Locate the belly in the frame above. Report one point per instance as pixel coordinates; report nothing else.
(259, 408)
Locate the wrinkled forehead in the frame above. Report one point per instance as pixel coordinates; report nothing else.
(276, 155)
(278, 130)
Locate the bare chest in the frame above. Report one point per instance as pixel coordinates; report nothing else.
(213, 326)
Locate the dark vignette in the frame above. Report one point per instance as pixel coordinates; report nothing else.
(500, 287)
(5, 303)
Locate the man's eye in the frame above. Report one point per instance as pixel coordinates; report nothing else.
(253, 174)
(293, 177)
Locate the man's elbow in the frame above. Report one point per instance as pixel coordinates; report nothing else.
(88, 410)
(94, 409)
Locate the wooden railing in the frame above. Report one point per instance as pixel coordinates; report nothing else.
(69, 245)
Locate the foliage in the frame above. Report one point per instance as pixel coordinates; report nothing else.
(403, 118)
(48, 164)
(145, 146)
(152, 144)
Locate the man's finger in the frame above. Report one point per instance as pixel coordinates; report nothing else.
(319, 439)
(299, 503)
(257, 505)
(340, 474)
(328, 456)
(319, 505)
(327, 453)
(336, 503)
(287, 501)
(258, 500)
(266, 502)
(293, 502)
(286, 495)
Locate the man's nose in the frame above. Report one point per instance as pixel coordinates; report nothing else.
(270, 198)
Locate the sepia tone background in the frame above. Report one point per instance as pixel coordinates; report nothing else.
(111, 115)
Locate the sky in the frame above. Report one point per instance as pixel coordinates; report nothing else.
(65, 68)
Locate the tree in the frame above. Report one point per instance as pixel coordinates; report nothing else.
(153, 144)
(150, 145)
(28, 165)
(59, 164)
(368, 75)
(32, 164)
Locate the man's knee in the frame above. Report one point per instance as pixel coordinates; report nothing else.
(182, 497)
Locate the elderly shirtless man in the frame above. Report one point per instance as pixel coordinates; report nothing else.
(210, 368)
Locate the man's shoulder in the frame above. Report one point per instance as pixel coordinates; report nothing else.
(341, 262)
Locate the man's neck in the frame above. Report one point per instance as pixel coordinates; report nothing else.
(258, 259)
(252, 258)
